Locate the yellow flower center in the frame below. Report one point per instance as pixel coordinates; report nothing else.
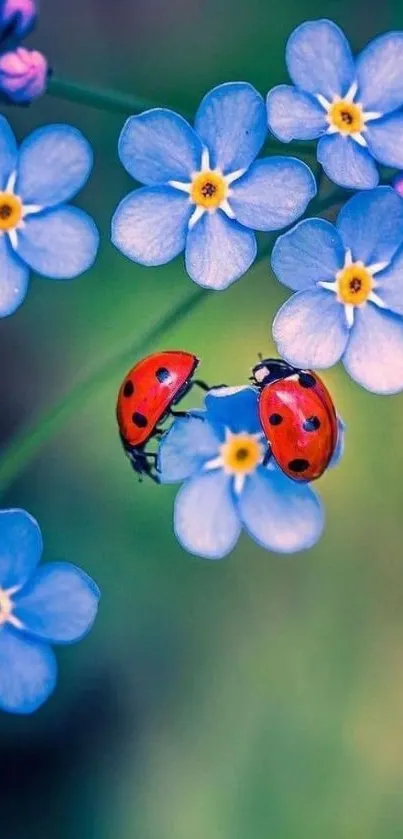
(208, 189)
(10, 210)
(241, 454)
(355, 284)
(347, 117)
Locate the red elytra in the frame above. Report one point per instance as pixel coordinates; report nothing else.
(148, 391)
(298, 418)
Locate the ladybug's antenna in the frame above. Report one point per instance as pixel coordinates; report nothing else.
(260, 356)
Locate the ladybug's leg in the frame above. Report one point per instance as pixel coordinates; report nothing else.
(187, 387)
(148, 466)
(199, 383)
(143, 463)
(267, 457)
(178, 413)
(204, 386)
(152, 474)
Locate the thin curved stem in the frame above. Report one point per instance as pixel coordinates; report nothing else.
(105, 100)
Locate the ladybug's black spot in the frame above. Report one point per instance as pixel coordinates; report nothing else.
(298, 465)
(311, 424)
(139, 419)
(306, 380)
(163, 375)
(275, 419)
(128, 389)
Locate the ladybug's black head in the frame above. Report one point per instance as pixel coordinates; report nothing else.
(271, 370)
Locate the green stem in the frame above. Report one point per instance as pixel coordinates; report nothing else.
(105, 100)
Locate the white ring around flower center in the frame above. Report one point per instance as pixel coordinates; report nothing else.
(218, 183)
(7, 607)
(239, 456)
(355, 281)
(347, 117)
(17, 210)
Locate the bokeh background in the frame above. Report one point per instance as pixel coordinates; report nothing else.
(260, 696)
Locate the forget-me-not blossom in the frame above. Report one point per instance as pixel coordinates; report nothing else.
(205, 192)
(219, 455)
(349, 283)
(353, 106)
(38, 230)
(55, 603)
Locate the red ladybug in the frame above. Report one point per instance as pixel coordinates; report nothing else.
(298, 418)
(145, 399)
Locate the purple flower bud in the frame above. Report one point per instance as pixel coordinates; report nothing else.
(23, 75)
(17, 18)
(397, 184)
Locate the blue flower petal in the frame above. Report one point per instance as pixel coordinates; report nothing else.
(309, 253)
(8, 152)
(371, 225)
(206, 522)
(159, 146)
(346, 163)
(231, 121)
(319, 59)
(274, 193)
(374, 355)
(340, 445)
(20, 547)
(28, 672)
(390, 284)
(294, 115)
(150, 225)
(14, 278)
(380, 73)
(234, 409)
(54, 164)
(218, 251)
(185, 447)
(311, 330)
(385, 140)
(60, 243)
(281, 515)
(59, 605)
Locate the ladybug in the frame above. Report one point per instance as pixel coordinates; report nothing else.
(298, 418)
(145, 399)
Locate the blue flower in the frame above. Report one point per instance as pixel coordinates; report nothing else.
(38, 230)
(349, 284)
(219, 455)
(205, 192)
(350, 105)
(53, 604)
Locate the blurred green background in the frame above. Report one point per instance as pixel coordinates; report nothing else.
(260, 696)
